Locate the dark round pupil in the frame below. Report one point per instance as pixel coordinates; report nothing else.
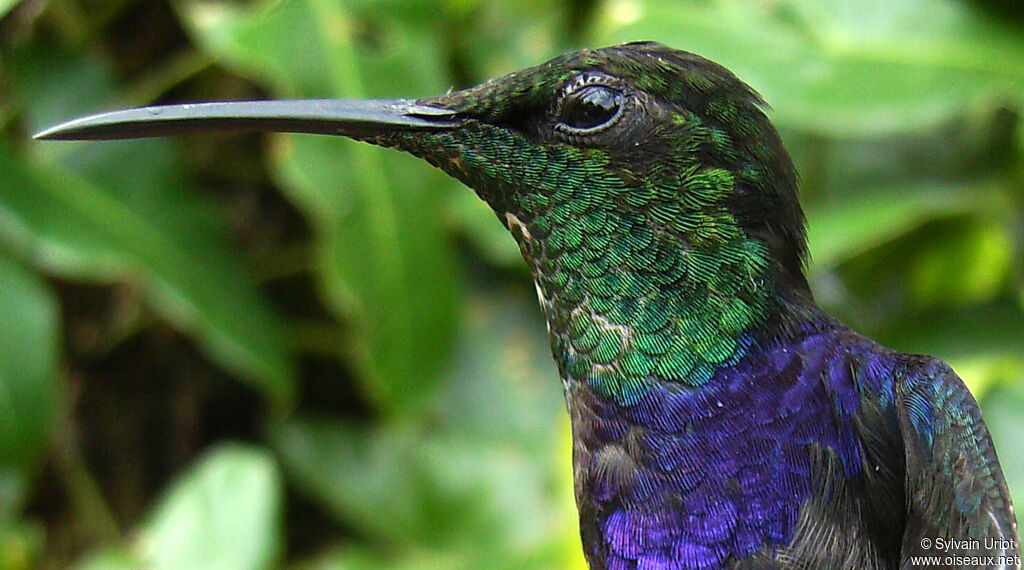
(591, 107)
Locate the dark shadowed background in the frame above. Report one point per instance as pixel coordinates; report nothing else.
(251, 351)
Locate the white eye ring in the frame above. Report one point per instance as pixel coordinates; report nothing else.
(589, 104)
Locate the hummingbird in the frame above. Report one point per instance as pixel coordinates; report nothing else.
(720, 418)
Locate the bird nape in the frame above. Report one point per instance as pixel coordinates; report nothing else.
(720, 419)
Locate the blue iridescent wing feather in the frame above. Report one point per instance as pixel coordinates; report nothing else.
(957, 500)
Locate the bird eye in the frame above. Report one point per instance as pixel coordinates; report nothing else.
(589, 108)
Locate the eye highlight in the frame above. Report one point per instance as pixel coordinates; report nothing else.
(589, 106)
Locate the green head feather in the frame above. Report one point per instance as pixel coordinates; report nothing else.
(651, 198)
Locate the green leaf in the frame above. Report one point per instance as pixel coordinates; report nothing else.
(446, 495)
(370, 479)
(54, 85)
(431, 559)
(842, 67)
(111, 559)
(983, 343)
(28, 368)
(120, 211)
(224, 513)
(6, 5)
(846, 225)
(488, 473)
(503, 392)
(21, 543)
(968, 264)
(359, 559)
(500, 36)
(504, 355)
(398, 484)
(161, 240)
(490, 239)
(384, 264)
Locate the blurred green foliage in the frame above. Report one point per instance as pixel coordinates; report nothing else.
(240, 351)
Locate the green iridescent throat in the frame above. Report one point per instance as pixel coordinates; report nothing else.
(660, 240)
(634, 278)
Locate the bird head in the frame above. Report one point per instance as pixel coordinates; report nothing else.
(648, 191)
(640, 135)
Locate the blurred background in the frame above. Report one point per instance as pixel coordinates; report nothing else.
(251, 351)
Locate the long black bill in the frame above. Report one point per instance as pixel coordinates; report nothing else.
(345, 117)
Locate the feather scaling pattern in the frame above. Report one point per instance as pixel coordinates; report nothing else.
(720, 419)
